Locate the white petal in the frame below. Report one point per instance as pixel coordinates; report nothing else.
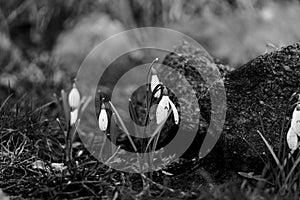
(158, 93)
(103, 120)
(295, 123)
(73, 117)
(154, 83)
(175, 112)
(162, 109)
(292, 139)
(74, 98)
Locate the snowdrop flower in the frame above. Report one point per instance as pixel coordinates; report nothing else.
(103, 119)
(294, 131)
(175, 112)
(74, 97)
(164, 107)
(73, 116)
(155, 82)
(292, 139)
(295, 123)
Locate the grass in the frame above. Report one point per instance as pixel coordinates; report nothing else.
(39, 160)
(281, 173)
(34, 165)
(42, 158)
(284, 174)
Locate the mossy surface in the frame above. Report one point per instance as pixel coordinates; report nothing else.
(257, 96)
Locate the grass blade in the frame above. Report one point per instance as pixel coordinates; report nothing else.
(5, 101)
(271, 150)
(44, 106)
(254, 177)
(123, 126)
(114, 154)
(157, 131)
(66, 106)
(292, 170)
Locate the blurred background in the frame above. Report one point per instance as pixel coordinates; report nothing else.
(43, 42)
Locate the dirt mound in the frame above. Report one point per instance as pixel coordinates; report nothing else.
(257, 96)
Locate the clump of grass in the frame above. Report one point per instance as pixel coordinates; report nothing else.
(281, 173)
(32, 149)
(26, 136)
(31, 145)
(73, 105)
(40, 157)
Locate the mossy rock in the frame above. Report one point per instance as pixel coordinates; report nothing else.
(257, 96)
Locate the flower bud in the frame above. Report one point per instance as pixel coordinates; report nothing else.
(74, 97)
(295, 123)
(73, 116)
(163, 108)
(292, 139)
(103, 119)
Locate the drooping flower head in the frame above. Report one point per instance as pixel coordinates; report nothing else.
(295, 123)
(74, 97)
(74, 103)
(294, 130)
(175, 112)
(103, 119)
(73, 116)
(292, 139)
(164, 107)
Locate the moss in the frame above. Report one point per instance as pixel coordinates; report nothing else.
(257, 95)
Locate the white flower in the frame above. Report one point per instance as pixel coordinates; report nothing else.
(175, 112)
(164, 107)
(73, 116)
(292, 139)
(74, 97)
(155, 82)
(103, 119)
(295, 123)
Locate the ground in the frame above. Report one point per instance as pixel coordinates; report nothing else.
(32, 141)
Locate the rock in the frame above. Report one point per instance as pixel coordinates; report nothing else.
(257, 95)
(187, 61)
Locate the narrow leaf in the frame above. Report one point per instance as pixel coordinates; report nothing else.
(271, 150)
